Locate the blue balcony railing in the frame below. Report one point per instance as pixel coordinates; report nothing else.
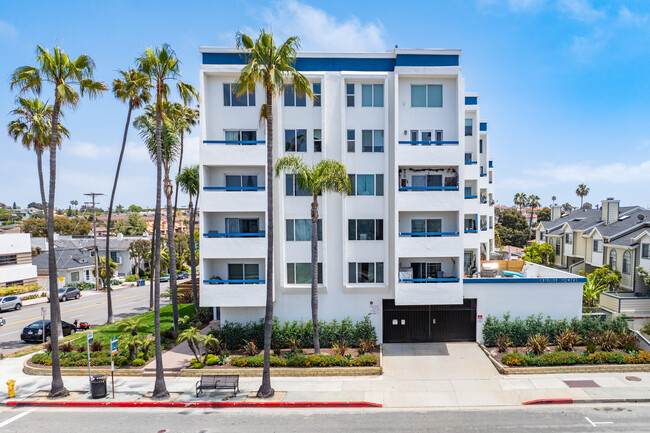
(429, 143)
(490, 182)
(233, 188)
(483, 174)
(490, 164)
(471, 196)
(483, 229)
(484, 201)
(429, 280)
(234, 142)
(428, 188)
(233, 281)
(234, 235)
(419, 234)
(471, 231)
(471, 162)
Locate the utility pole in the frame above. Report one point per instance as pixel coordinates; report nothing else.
(97, 276)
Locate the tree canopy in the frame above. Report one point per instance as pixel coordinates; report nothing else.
(62, 225)
(542, 254)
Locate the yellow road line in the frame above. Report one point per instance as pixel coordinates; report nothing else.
(75, 309)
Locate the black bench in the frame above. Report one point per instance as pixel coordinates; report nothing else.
(215, 382)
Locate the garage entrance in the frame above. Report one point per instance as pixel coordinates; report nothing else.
(429, 323)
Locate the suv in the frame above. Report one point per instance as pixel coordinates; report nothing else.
(11, 302)
(66, 293)
(34, 331)
(182, 275)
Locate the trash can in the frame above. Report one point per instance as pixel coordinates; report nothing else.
(98, 386)
(140, 282)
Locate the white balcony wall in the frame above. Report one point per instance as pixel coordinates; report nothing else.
(215, 222)
(449, 220)
(232, 154)
(233, 201)
(429, 246)
(225, 248)
(215, 176)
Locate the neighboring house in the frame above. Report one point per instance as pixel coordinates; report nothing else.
(72, 265)
(586, 239)
(407, 245)
(16, 268)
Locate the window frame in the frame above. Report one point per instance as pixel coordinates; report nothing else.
(373, 147)
(428, 95)
(292, 269)
(296, 134)
(249, 97)
(316, 93)
(294, 234)
(354, 270)
(645, 251)
(318, 142)
(374, 95)
(377, 229)
(351, 141)
(469, 132)
(627, 262)
(293, 98)
(349, 93)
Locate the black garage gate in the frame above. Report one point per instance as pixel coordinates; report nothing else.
(429, 323)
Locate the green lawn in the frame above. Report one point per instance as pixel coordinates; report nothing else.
(105, 332)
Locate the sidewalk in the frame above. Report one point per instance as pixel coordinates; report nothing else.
(443, 375)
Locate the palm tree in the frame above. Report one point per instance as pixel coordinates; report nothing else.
(160, 65)
(33, 125)
(582, 192)
(553, 199)
(567, 207)
(533, 202)
(133, 89)
(270, 66)
(520, 200)
(194, 338)
(188, 181)
(130, 325)
(60, 71)
(327, 175)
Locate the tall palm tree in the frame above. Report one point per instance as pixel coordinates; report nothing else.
(553, 199)
(520, 200)
(582, 192)
(532, 202)
(33, 126)
(133, 88)
(57, 69)
(188, 181)
(327, 175)
(270, 66)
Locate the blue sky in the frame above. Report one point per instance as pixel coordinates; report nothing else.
(563, 83)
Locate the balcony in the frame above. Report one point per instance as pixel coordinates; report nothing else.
(467, 197)
(632, 303)
(233, 188)
(429, 143)
(428, 244)
(233, 293)
(469, 162)
(490, 164)
(223, 152)
(414, 152)
(433, 280)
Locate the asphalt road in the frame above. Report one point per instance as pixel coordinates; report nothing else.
(91, 308)
(630, 418)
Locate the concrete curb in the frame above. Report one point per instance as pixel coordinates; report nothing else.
(197, 404)
(584, 401)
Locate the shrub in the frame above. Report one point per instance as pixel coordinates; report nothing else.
(115, 282)
(514, 360)
(294, 345)
(566, 339)
(196, 364)
(131, 278)
(340, 348)
(503, 342)
(66, 347)
(305, 361)
(47, 346)
(367, 345)
(591, 347)
(628, 341)
(215, 360)
(554, 358)
(250, 348)
(82, 285)
(608, 341)
(139, 362)
(537, 343)
(121, 362)
(18, 290)
(96, 346)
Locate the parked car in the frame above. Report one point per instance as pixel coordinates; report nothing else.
(164, 279)
(11, 302)
(34, 331)
(182, 275)
(66, 293)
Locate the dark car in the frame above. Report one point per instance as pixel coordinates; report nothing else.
(11, 302)
(66, 293)
(34, 331)
(181, 275)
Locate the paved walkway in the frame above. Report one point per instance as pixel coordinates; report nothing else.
(415, 375)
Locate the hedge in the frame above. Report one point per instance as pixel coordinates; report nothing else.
(569, 358)
(19, 290)
(73, 359)
(305, 361)
(520, 329)
(234, 334)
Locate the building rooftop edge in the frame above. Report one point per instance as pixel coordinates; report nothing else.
(379, 54)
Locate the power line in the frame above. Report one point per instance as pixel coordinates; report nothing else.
(97, 276)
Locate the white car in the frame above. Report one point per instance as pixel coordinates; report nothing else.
(11, 302)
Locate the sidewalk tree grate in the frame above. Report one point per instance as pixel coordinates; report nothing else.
(633, 378)
(581, 384)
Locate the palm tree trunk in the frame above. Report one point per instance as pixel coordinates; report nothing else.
(58, 389)
(195, 292)
(39, 158)
(314, 271)
(180, 165)
(109, 301)
(159, 389)
(171, 244)
(152, 259)
(266, 391)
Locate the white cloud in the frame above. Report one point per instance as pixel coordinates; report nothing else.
(515, 5)
(581, 10)
(86, 150)
(322, 32)
(136, 151)
(627, 17)
(7, 30)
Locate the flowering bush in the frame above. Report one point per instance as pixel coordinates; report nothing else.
(305, 361)
(570, 358)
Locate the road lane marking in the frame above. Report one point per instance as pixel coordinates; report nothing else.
(595, 423)
(16, 418)
(75, 309)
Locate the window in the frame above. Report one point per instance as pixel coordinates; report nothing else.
(295, 188)
(372, 95)
(542, 236)
(468, 158)
(568, 238)
(300, 229)
(470, 223)
(300, 273)
(240, 273)
(241, 137)
(439, 135)
(612, 259)
(351, 140)
(426, 271)
(115, 257)
(87, 275)
(293, 98)
(243, 225)
(480, 146)
(379, 184)
(627, 260)
(367, 184)
(469, 127)
(468, 191)
(365, 230)
(318, 141)
(74, 276)
(295, 140)
(551, 242)
(315, 90)
(350, 94)
(372, 140)
(14, 283)
(645, 251)
(365, 273)
(426, 180)
(426, 95)
(433, 225)
(231, 97)
(558, 247)
(8, 260)
(598, 246)
(240, 182)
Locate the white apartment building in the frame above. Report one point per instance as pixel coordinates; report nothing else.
(16, 268)
(420, 217)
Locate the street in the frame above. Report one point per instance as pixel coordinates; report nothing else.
(91, 308)
(620, 418)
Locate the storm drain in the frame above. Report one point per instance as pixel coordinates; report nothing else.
(581, 384)
(633, 378)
